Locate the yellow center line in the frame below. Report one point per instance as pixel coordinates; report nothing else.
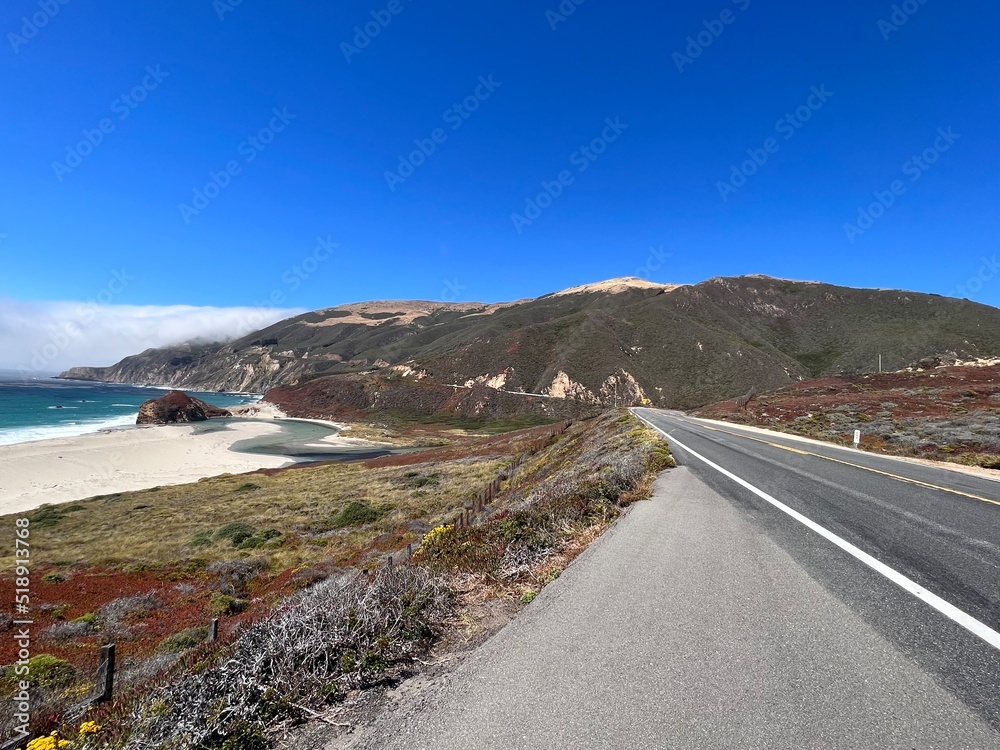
(849, 463)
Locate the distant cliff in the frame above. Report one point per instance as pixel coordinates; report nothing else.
(617, 342)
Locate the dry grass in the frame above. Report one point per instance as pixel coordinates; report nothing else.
(174, 524)
(352, 631)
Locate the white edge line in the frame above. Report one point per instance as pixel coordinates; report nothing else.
(763, 432)
(950, 611)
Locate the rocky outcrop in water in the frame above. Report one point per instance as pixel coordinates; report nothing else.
(176, 408)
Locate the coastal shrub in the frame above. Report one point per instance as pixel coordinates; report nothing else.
(57, 610)
(583, 483)
(336, 637)
(247, 487)
(245, 737)
(116, 613)
(984, 460)
(46, 670)
(182, 641)
(355, 513)
(46, 516)
(68, 631)
(235, 532)
(202, 539)
(53, 577)
(417, 480)
(305, 577)
(224, 605)
(234, 576)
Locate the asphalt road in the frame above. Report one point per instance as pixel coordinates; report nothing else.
(773, 594)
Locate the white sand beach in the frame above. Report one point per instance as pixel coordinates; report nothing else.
(56, 471)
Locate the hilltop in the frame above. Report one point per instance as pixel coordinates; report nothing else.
(620, 342)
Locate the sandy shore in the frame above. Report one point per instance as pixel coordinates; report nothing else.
(56, 471)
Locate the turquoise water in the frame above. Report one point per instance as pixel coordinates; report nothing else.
(43, 408)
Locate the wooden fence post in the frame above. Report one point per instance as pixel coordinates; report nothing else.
(105, 674)
(213, 631)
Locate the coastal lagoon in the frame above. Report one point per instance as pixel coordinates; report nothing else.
(303, 442)
(67, 440)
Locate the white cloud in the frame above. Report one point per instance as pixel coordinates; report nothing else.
(53, 336)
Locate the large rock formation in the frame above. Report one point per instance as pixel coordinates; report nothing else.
(177, 407)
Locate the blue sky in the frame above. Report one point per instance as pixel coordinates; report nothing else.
(304, 143)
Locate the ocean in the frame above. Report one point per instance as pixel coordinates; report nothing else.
(43, 408)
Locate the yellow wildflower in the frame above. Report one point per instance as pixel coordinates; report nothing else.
(52, 742)
(434, 533)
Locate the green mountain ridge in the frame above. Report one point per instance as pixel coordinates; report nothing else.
(617, 342)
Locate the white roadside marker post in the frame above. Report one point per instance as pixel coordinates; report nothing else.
(857, 438)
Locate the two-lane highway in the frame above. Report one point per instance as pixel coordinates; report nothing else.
(928, 536)
(772, 594)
